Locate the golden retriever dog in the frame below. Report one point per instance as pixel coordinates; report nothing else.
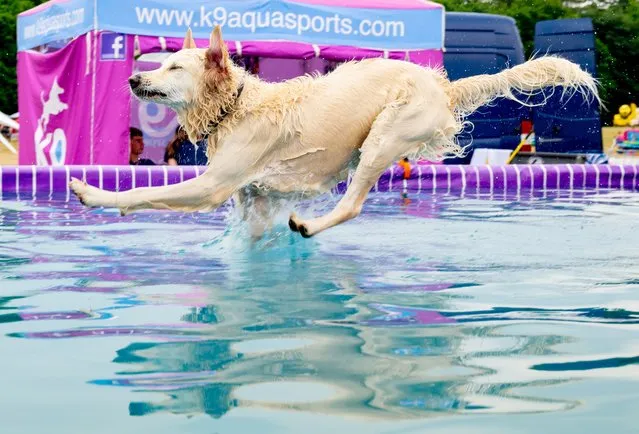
(301, 137)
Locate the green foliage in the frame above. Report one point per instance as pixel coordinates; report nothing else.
(9, 9)
(618, 53)
(616, 23)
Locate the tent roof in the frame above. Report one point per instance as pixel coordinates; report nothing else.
(370, 4)
(371, 24)
(377, 4)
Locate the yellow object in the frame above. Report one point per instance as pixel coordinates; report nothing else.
(518, 148)
(515, 152)
(627, 114)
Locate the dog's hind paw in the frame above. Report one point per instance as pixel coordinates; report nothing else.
(298, 226)
(304, 231)
(293, 225)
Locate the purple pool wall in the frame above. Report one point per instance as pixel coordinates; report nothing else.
(43, 181)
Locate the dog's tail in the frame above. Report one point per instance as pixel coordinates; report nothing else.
(527, 79)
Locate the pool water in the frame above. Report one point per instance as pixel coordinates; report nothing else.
(438, 313)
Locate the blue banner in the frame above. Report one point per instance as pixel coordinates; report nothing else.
(54, 22)
(259, 20)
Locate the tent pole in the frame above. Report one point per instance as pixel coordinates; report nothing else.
(94, 53)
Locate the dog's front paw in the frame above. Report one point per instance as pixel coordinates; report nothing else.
(86, 194)
(79, 188)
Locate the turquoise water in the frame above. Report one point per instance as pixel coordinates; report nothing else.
(441, 314)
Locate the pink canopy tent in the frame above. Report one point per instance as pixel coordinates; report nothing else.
(75, 57)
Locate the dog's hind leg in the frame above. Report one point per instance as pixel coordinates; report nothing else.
(420, 117)
(382, 146)
(348, 207)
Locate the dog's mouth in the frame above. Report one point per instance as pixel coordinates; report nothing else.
(150, 94)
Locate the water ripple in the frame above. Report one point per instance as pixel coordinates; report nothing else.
(448, 304)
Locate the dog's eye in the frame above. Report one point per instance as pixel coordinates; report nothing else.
(175, 67)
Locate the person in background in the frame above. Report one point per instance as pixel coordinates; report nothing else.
(137, 148)
(249, 63)
(181, 152)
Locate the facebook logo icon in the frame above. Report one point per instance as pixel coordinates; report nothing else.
(112, 46)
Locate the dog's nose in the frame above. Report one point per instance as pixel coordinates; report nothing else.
(135, 81)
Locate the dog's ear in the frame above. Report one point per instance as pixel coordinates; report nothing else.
(217, 55)
(189, 42)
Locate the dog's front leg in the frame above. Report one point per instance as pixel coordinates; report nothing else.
(225, 174)
(199, 194)
(256, 210)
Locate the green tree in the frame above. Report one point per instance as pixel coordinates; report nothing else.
(617, 33)
(9, 10)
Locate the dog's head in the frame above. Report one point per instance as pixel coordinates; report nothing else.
(186, 74)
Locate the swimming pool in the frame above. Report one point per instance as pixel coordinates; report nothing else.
(451, 310)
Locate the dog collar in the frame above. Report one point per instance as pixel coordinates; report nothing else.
(223, 114)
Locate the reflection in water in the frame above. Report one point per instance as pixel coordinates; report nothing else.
(410, 320)
(615, 362)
